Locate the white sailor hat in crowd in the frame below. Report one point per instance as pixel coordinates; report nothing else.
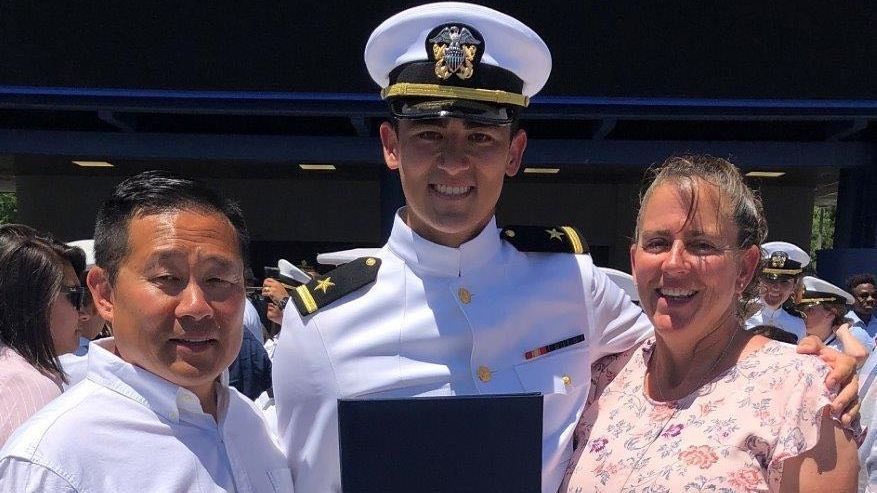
(624, 281)
(783, 260)
(344, 256)
(87, 246)
(453, 59)
(289, 272)
(818, 291)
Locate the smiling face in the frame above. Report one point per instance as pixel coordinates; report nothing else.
(177, 303)
(452, 173)
(688, 269)
(775, 292)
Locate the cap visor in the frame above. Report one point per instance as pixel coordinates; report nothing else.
(452, 108)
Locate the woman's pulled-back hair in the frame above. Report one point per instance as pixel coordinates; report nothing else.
(737, 201)
(31, 278)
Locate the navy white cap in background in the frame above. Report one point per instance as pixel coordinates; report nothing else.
(783, 260)
(818, 291)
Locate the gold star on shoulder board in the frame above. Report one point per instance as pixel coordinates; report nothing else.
(324, 284)
(554, 234)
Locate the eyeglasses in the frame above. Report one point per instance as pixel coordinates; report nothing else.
(75, 295)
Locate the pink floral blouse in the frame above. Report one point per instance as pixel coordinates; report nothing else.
(731, 435)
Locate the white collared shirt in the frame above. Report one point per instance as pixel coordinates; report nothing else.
(870, 328)
(442, 321)
(778, 318)
(126, 429)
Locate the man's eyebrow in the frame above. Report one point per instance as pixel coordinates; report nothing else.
(470, 124)
(432, 122)
(161, 256)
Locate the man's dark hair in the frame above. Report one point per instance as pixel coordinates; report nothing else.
(156, 192)
(857, 279)
(31, 278)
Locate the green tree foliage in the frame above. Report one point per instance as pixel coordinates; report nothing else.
(822, 230)
(8, 207)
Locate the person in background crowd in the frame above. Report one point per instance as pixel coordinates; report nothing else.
(91, 325)
(252, 320)
(40, 298)
(276, 292)
(672, 414)
(868, 449)
(157, 413)
(824, 305)
(864, 292)
(782, 268)
(250, 372)
(774, 333)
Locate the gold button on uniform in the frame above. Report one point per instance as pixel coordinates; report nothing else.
(484, 374)
(566, 380)
(465, 296)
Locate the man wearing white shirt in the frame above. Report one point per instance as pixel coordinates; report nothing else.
(156, 412)
(864, 291)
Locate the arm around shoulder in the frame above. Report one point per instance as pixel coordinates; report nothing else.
(618, 324)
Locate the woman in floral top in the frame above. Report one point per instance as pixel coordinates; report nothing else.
(706, 405)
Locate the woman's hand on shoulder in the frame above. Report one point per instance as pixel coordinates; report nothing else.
(842, 374)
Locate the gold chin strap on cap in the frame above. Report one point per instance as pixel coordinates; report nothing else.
(410, 89)
(790, 272)
(814, 301)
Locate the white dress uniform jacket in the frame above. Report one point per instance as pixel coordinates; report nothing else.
(778, 318)
(449, 321)
(125, 429)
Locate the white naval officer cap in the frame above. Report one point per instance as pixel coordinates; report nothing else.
(291, 272)
(87, 246)
(818, 291)
(783, 259)
(624, 281)
(454, 59)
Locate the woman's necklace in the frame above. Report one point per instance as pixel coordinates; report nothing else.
(706, 374)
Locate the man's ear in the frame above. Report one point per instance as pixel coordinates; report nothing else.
(390, 143)
(516, 152)
(98, 283)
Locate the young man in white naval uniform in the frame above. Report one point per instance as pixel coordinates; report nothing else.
(450, 306)
(454, 307)
(783, 266)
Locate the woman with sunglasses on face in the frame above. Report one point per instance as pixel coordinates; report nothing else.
(706, 405)
(40, 298)
(824, 305)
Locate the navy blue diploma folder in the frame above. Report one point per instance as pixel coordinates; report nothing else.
(457, 444)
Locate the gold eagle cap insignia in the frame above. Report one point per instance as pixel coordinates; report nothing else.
(778, 259)
(454, 49)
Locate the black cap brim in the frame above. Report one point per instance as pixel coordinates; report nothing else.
(475, 111)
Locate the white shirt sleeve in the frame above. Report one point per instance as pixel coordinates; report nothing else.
(617, 324)
(22, 476)
(863, 337)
